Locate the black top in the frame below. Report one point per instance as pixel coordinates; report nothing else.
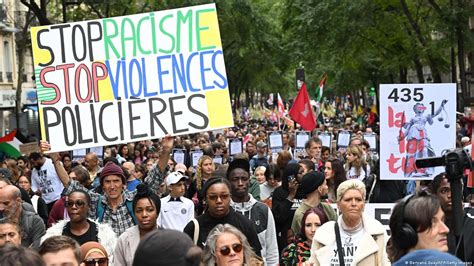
(207, 223)
(90, 235)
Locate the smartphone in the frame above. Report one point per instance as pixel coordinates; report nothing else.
(291, 178)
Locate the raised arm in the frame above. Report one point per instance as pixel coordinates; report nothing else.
(167, 146)
(156, 175)
(58, 166)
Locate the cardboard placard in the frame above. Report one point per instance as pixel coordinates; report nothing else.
(125, 79)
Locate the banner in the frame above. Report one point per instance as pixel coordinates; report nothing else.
(123, 79)
(416, 121)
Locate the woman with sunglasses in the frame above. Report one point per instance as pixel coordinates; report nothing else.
(226, 245)
(79, 227)
(94, 254)
(146, 206)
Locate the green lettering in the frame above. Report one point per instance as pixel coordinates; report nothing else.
(108, 36)
(153, 30)
(132, 37)
(199, 29)
(182, 20)
(140, 48)
(163, 30)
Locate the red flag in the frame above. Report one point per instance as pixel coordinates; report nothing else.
(302, 112)
(281, 107)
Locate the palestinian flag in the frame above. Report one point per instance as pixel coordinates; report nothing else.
(10, 146)
(319, 91)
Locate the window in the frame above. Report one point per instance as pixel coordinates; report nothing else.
(7, 61)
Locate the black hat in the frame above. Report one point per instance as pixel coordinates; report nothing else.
(239, 163)
(311, 181)
(163, 247)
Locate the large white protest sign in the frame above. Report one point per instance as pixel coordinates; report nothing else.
(416, 121)
(131, 78)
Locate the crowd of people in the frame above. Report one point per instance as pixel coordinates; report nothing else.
(136, 205)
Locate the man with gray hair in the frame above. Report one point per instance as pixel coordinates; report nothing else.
(31, 224)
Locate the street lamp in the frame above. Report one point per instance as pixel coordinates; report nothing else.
(300, 77)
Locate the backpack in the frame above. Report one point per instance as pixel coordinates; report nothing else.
(100, 211)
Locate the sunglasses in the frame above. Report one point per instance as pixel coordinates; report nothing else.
(215, 197)
(78, 203)
(225, 250)
(94, 262)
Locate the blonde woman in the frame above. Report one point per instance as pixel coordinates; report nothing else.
(356, 167)
(204, 169)
(226, 245)
(359, 238)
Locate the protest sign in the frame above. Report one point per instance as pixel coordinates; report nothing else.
(130, 78)
(416, 121)
(326, 139)
(235, 146)
(275, 141)
(28, 148)
(343, 139)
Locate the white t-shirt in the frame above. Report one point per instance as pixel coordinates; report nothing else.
(47, 181)
(352, 173)
(349, 242)
(175, 214)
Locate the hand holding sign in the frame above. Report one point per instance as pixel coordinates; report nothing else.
(167, 143)
(45, 146)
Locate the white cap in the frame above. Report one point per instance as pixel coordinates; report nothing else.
(174, 178)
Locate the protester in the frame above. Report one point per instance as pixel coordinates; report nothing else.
(260, 174)
(226, 245)
(79, 227)
(418, 231)
(146, 206)
(93, 254)
(314, 188)
(242, 202)
(37, 202)
(204, 169)
(45, 179)
(60, 250)
(355, 165)
(67, 162)
(361, 238)
(132, 180)
(10, 233)
(115, 206)
(59, 211)
(299, 250)
(272, 181)
(92, 164)
(11, 255)
(313, 149)
(5, 181)
(32, 226)
(307, 165)
(167, 247)
(286, 199)
(335, 174)
(176, 211)
(217, 192)
(261, 158)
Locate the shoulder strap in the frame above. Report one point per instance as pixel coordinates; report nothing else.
(339, 244)
(196, 231)
(100, 211)
(371, 191)
(129, 204)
